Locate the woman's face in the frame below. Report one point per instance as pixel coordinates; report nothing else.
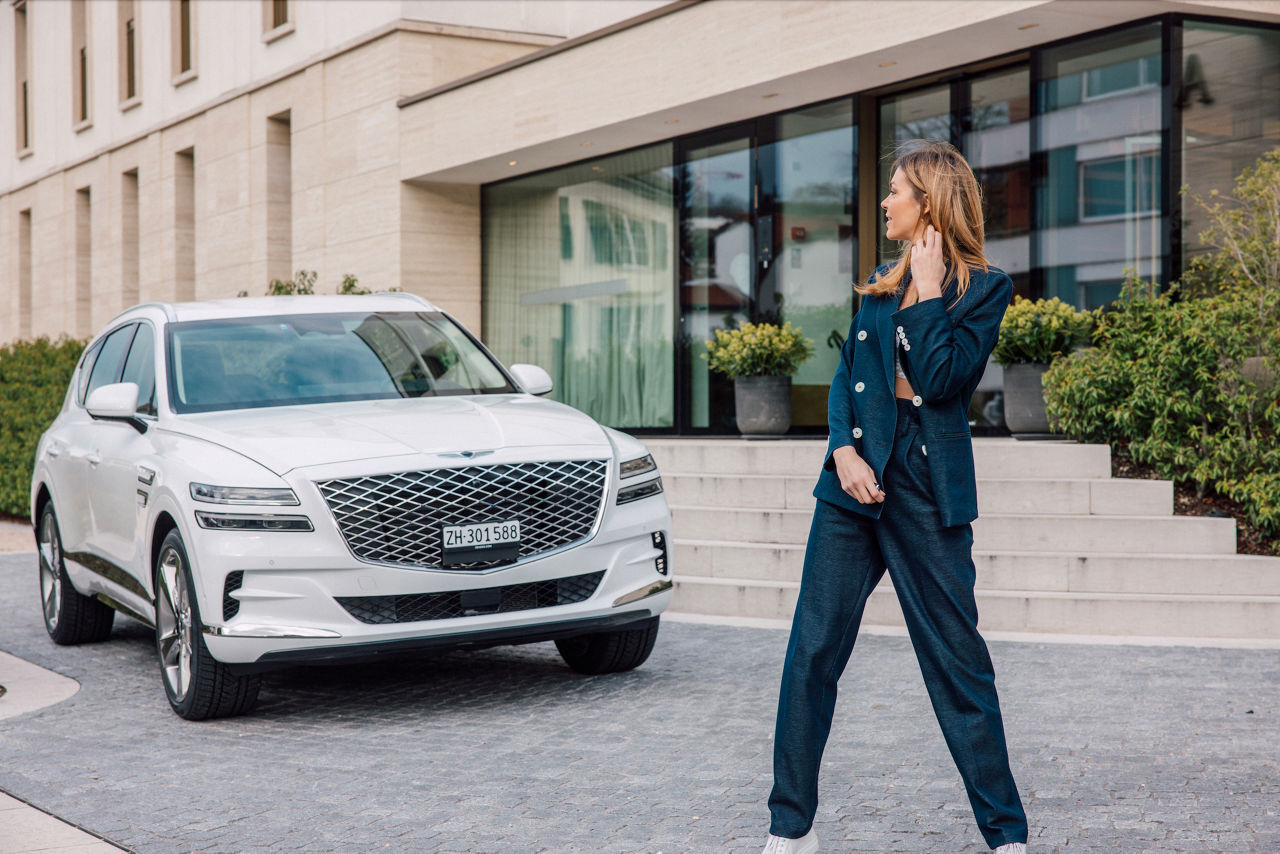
(902, 213)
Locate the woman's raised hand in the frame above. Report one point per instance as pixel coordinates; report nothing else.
(856, 477)
(927, 269)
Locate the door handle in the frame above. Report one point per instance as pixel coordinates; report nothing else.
(53, 451)
(93, 458)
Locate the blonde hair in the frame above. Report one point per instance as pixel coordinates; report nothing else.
(940, 176)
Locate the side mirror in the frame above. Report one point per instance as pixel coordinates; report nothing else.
(116, 402)
(532, 379)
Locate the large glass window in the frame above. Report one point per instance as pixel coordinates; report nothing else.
(1098, 137)
(919, 114)
(578, 279)
(1230, 109)
(807, 204)
(717, 263)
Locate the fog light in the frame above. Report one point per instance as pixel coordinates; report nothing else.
(640, 490)
(245, 522)
(660, 543)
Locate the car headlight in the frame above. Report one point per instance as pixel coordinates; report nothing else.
(641, 490)
(639, 465)
(252, 522)
(242, 494)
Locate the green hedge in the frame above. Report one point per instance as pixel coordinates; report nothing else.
(33, 383)
(1167, 377)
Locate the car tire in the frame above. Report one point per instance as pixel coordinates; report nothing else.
(198, 686)
(610, 652)
(69, 617)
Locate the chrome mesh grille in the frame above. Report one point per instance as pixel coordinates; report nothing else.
(470, 603)
(396, 518)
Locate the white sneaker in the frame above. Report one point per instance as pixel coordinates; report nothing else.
(807, 844)
(1012, 848)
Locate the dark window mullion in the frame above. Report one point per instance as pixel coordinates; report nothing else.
(1171, 147)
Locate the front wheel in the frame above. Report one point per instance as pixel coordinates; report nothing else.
(199, 686)
(610, 652)
(69, 617)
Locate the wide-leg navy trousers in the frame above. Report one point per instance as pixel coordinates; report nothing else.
(933, 574)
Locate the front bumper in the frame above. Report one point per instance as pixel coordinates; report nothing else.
(289, 602)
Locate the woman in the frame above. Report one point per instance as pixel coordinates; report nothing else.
(898, 490)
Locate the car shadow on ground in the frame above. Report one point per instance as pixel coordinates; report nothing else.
(439, 683)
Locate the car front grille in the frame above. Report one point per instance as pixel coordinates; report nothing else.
(396, 519)
(470, 603)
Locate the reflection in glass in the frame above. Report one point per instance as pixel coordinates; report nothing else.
(1230, 109)
(577, 279)
(997, 144)
(1099, 196)
(807, 196)
(716, 266)
(921, 114)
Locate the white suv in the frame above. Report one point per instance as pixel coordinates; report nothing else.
(310, 479)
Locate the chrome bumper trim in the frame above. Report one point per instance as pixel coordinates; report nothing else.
(642, 593)
(252, 631)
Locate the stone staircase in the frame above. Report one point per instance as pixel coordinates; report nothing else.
(1060, 546)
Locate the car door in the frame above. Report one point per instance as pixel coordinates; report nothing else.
(76, 444)
(116, 496)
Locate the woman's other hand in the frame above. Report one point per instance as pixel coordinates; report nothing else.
(927, 269)
(856, 477)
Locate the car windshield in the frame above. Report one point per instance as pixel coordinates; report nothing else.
(253, 362)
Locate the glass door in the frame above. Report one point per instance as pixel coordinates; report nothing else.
(807, 192)
(717, 265)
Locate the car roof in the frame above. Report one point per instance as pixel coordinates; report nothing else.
(298, 304)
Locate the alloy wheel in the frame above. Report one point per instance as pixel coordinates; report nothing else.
(174, 629)
(50, 571)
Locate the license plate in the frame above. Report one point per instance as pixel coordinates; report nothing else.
(484, 541)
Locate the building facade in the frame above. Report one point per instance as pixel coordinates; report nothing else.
(597, 186)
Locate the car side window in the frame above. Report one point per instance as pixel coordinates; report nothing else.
(106, 369)
(140, 368)
(82, 389)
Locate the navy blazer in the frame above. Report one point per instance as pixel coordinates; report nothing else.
(949, 350)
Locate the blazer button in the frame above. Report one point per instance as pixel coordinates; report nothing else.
(917, 400)
(862, 335)
(900, 330)
(906, 346)
(924, 449)
(857, 432)
(859, 387)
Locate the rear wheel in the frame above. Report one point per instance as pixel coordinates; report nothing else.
(198, 686)
(610, 652)
(69, 617)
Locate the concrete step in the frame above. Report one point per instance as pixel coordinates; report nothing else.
(1109, 614)
(1076, 496)
(1003, 532)
(1181, 574)
(993, 457)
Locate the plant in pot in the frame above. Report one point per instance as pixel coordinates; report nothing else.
(760, 359)
(1032, 335)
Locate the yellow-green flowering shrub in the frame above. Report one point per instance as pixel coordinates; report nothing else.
(1040, 331)
(758, 350)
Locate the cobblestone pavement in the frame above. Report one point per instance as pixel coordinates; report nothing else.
(1116, 749)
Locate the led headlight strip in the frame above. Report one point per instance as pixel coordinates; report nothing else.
(252, 522)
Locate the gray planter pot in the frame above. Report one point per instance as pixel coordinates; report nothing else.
(763, 405)
(1024, 399)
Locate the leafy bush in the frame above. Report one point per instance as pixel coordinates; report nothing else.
(33, 383)
(1040, 331)
(758, 350)
(1166, 378)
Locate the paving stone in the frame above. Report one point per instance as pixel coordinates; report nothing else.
(1116, 748)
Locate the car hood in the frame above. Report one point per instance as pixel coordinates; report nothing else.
(283, 438)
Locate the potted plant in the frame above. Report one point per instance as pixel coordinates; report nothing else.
(760, 359)
(1032, 335)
